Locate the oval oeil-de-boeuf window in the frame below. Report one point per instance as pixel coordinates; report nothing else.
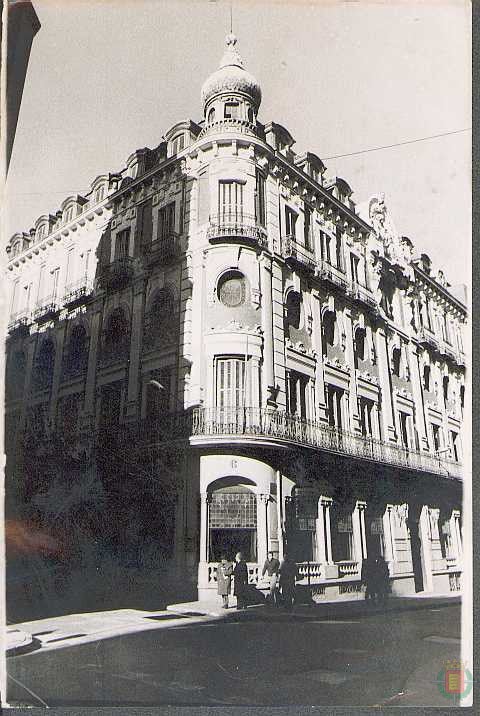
(231, 290)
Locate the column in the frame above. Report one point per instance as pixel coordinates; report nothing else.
(388, 422)
(349, 352)
(320, 405)
(324, 538)
(57, 370)
(358, 524)
(132, 407)
(426, 549)
(417, 390)
(204, 521)
(280, 526)
(268, 377)
(457, 539)
(262, 528)
(388, 535)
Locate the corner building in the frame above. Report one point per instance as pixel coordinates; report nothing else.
(220, 322)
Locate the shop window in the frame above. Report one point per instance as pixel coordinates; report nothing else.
(233, 523)
(342, 535)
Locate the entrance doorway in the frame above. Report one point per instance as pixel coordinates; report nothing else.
(233, 523)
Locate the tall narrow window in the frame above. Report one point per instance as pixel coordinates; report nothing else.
(426, 377)
(328, 330)
(232, 110)
(334, 397)
(290, 222)
(446, 384)
(339, 248)
(396, 362)
(230, 382)
(230, 201)
(365, 408)
(260, 207)
(354, 261)
(166, 222)
(122, 241)
(325, 247)
(307, 228)
(404, 428)
(55, 279)
(436, 437)
(455, 443)
(296, 394)
(178, 144)
(359, 346)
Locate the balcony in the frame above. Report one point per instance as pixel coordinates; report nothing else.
(296, 254)
(77, 293)
(237, 227)
(260, 425)
(18, 324)
(162, 251)
(46, 309)
(229, 124)
(333, 275)
(363, 295)
(427, 339)
(117, 274)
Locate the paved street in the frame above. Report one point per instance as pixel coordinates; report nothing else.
(261, 657)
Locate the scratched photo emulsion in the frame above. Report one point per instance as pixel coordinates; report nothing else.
(236, 347)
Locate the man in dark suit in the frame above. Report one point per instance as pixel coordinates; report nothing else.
(240, 574)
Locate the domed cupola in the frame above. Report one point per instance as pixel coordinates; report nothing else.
(231, 93)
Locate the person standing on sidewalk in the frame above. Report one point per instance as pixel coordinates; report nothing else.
(382, 578)
(240, 575)
(288, 575)
(271, 567)
(224, 580)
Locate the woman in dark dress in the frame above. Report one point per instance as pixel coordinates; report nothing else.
(224, 580)
(240, 574)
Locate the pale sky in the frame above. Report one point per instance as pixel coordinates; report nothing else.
(106, 78)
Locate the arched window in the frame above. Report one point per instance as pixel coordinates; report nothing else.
(231, 289)
(328, 330)
(211, 115)
(293, 309)
(426, 377)
(396, 361)
(359, 346)
(232, 522)
(116, 335)
(250, 115)
(44, 365)
(160, 319)
(76, 357)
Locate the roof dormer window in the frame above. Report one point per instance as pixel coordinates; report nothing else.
(178, 143)
(99, 194)
(68, 215)
(41, 232)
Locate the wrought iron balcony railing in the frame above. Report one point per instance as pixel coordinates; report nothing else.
(19, 323)
(78, 292)
(236, 225)
(333, 275)
(46, 309)
(261, 423)
(116, 274)
(294, 252)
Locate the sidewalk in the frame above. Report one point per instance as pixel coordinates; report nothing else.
(75, 629)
